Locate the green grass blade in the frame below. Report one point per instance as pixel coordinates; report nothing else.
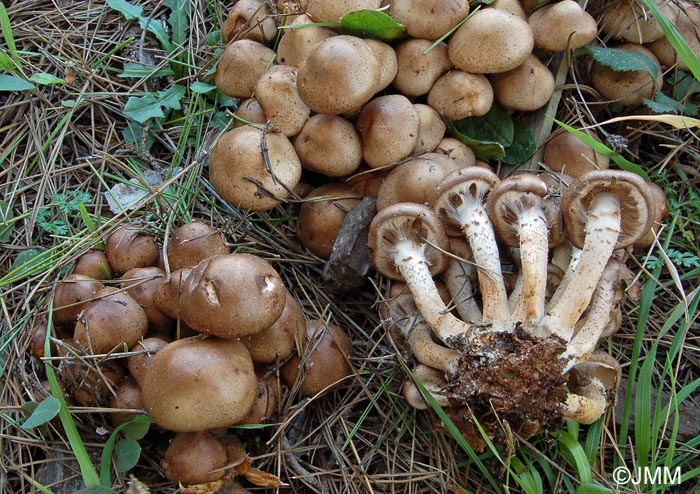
(574, 453)
(6, 27)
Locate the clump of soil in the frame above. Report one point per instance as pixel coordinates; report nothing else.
(515, 378)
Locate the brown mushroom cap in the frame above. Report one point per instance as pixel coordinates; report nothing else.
(111, 320)
(199, 383)
(139, 362)
(71, 297)
(296, 43)
(565, 152)
(687, 20)
(240, 172)
(563, 25)
(142, 284)
(388, 65)
(428, 19)
(601, 366)
(325, 11)
(321, 216)
(459, 94)
(249, 19)
(277, 342)
(194, 458)
(457, 151)
(169, 292)
(131, 247)
(417, 70)
(193, 242)
(406, 220)
(329, 144)
(504, 41)
(94, 264)
(325, 353)
(339, 75)
(240, 66)
(276, 91)
(388, 127)
(633, 22)
(127, 395)
(431, 129)
(251, 112)
(635, 204)
(527, 87)
(266, 400)
(232, 296)
(627, 88)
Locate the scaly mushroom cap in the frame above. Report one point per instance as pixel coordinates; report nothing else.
(631, 190)
(339, 75)
(562, 26)
(240, 66)
(491, 41)
(633, 22)
(406, 220)
(240, 172)
(276, 91)
(199, 383)
(232, 296)
(169, 292)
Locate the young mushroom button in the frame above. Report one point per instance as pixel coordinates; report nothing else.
(407, 242)
(603, 210)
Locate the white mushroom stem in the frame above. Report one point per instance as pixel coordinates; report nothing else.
(430, 353)
(584, 341)
(457, 278)
(410, 260)
(589, 406)
(534, 237)
(472, 218)
(602, 231)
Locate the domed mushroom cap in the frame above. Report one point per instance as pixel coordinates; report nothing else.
(142, 285)
(562, 26)
(199, 383)
(633, 22)
(113, 319)
(94, 264)
(249, 111)
(428, 19)
(459, 94)
(388, 128)
(431, 129)
(491, 41)
(194, 458)
(169, 290)
(72, 295)
(417, 70)
(144, 352)
(249, 19)
(232, 296)
(388, 65)
(131, 247)
(194, 242)
(240, 66)
(276, 91)
(241, 174)
(687, 20)
(627, 88)
(330, 145)
(632, 192)
(564, 152)
(527, 87)
(339, 75)
(325, 353)
(325, 11)
(296, 44)
(406, 220)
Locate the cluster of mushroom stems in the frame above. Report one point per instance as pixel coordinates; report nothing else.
(193, 335)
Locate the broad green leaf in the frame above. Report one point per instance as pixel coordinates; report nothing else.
(43, 79)
(137, 426)
(129, 11)
(6, 28)
(621, 60)
(6, 224)
(592, 489)
(6, 62)
(179, 20)
(662, 103)
(12, 83)
(523, 146)
(31, 262)
(155, 27)
(606, 151)
(140, 71)
(44, 412)
(488, 135)
(170, 98)
(372, 24)
(201, 87)
(133, 134)
(144, 108)
(128, 452)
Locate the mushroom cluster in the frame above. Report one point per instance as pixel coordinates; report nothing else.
(502, 290)
(191, 334)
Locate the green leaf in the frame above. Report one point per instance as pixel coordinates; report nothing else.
(31, 262)
(574, 452)
(12, 83)
(129, 11)
(488, 135)
(43, 79)
(141, 71)
(662, 103)
(621, 60)
(170, 98)
(43, 413)
(6, 223)
(144, 108)
(179, 20)
(155, 27)
(592, 489)
(95, 489)
(128, 452)
(201, 87)
(137, 426)
(372, 24)
(524, 145)
(6, 28)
